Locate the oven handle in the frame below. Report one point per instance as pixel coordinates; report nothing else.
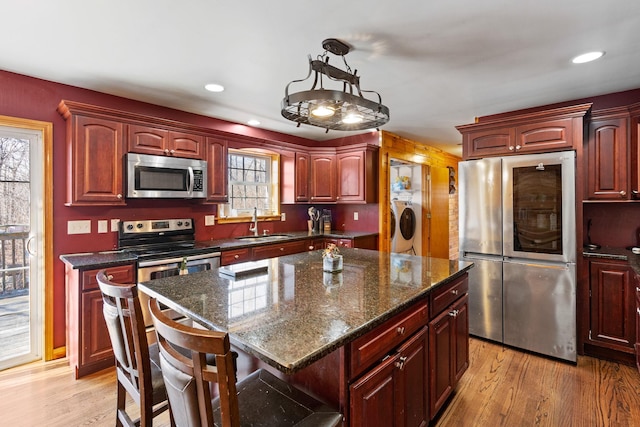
(162, 261)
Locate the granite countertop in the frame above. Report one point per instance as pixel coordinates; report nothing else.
(93, 260)
(295, 314)
(622, 254)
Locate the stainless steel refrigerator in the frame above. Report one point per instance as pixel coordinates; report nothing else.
(517, 224)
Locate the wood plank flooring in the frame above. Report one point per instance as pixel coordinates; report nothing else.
(503, 387)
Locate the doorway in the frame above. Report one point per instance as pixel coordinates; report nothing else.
(25, 197)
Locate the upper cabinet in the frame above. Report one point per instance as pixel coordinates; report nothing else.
(301, 184)
(607, 147)
(145, 139)
(216, 155)
(535, 132)
(323, 177)
(634, 122)
(95, 148)
(357, 175)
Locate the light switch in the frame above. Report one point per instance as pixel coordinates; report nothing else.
(103, 226)
(209, 220)
(283, 216)
(355, 216)
(114, 224)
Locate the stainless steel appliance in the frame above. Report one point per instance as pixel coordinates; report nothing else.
(162, 247)
(165, 177)
(517, 224)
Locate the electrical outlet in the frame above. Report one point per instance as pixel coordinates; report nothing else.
(355, 216)
(79, 227)
(114, 224)
(283, 216)
(209, 219)
(103, 226)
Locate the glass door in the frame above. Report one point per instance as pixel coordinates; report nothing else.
(539, 206)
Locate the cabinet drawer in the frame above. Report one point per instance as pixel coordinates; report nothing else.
(374, 345)
(119, 274)
(442, 297)
(279, 249)
(235, 256)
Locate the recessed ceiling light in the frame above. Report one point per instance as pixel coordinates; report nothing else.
(214, 87)
(587, 57)
(253, 122)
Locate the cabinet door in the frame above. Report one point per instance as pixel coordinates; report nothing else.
(186, 145)
(323, 178)
(607, 159)
(441, 354)
(551, 135)
(235, 256)
(216, 156)
(635, 154)
(612, 304)
(302, 177)
(96, 167)
(351, 185)
(637, 346)
(279, 249)
(95, 342)
(489, 142)
(461, 326)
(147, 140)
(374, 397)
(413, 364)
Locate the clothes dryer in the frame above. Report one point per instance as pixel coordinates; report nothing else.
(405, 226)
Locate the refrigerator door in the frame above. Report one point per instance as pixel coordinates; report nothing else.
(485, 297)
(480, 206)
(539, 206)
(540, 308)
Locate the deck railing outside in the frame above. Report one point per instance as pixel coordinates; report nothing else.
(14, 260)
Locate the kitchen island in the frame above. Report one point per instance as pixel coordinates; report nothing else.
(335, 333)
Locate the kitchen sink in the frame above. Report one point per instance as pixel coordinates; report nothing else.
(264, 237)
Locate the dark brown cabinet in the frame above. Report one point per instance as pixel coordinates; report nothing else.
(612, 318)
(448, 342)
(357, 177)
(88, 344)
(533, 132)
(95, 147)
(634, 124)
(301, 184)
(216, 156)
(394, 393)
(607, 168)
(146, 139)
(637, 316)
(323, 178)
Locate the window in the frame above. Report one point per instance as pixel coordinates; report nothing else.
(253, 183)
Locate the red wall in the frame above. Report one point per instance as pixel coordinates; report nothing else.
(35, 99)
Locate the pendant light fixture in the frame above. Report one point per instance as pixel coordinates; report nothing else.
(345, 109)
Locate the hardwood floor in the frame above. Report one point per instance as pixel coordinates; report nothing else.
(503, 387)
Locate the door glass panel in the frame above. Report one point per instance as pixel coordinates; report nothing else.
(537, 209)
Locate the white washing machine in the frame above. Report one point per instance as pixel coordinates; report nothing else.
(403, 223)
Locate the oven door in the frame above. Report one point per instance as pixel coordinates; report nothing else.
(158, 268)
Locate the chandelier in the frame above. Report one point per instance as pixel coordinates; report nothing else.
(345, 109)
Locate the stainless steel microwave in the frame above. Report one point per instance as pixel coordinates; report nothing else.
(151, 176)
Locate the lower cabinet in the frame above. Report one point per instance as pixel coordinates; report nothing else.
(637, 346)
(88, 343)
(612, 322)
(394, 393)
(449, 351)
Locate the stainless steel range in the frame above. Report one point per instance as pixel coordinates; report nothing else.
(163, 245)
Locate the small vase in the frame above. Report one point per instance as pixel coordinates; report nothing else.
(332, 264)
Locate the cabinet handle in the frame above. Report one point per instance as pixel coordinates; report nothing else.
(400, 330)
(454, 313)
(311, 248)
(518, 147)
(634, 194)
(119, 196)
(172, 151)
(166, 151)
(454, 291)
(110, 277)
(236, 256)
(511, 148)
(400, 363)
(637, 289)
(281, 249)
(623, 193)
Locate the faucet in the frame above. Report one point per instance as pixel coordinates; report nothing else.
(253, 228)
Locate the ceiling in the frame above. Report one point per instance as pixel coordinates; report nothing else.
(436, 63)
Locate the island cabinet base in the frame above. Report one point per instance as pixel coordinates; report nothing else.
(383, 378)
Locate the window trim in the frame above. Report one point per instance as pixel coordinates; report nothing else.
(274, 190)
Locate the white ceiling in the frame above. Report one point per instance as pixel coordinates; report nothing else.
(436, 63)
